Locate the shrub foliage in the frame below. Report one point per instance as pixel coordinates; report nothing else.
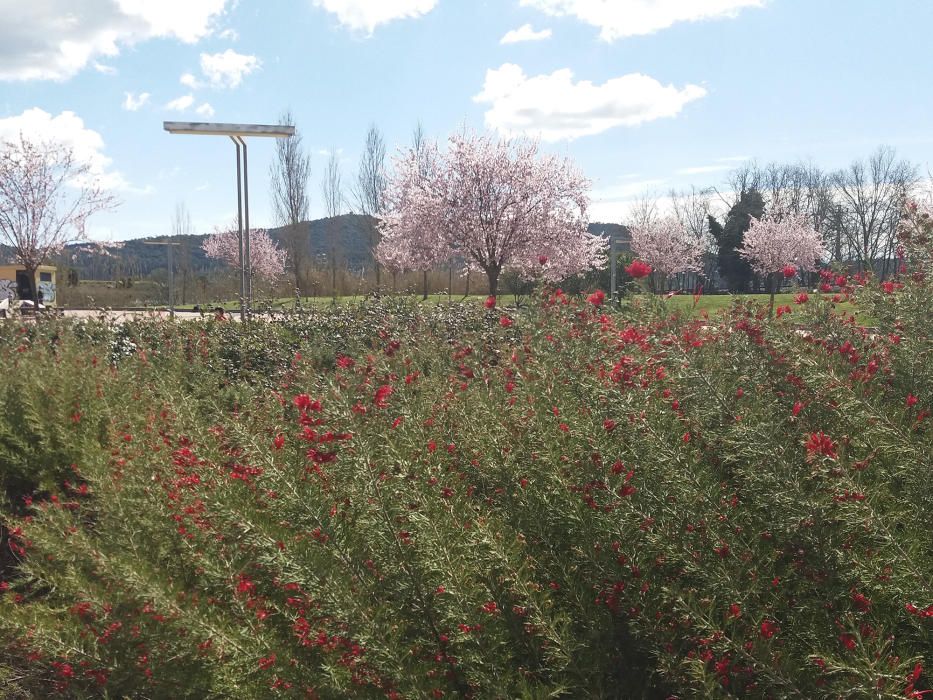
(393, 500)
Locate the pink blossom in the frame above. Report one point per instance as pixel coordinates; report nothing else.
(668, 247)
(771, 245)
(267, 260)
(495, 205)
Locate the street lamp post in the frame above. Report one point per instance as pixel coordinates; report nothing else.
(171, 273)
(237, 133)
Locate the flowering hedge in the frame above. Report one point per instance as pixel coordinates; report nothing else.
(406, 502)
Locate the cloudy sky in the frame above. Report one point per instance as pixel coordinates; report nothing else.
(643, 94)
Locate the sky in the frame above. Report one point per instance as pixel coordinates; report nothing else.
(644, 95)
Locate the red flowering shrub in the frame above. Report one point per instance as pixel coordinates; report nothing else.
(395, 501)
(638, 269)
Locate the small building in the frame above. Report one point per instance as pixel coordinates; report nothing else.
(14, 283)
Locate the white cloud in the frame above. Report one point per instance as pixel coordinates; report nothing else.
(189, 81)
(48, 40)
(180, 104)
(68, 129)
(229, 35)
(525, 33)
(133, 102)
(366, 15)
(205, 110)
(554, 107)
(104, 69)
(617, 19)
(227, 69)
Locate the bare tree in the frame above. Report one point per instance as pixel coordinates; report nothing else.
(370, 189)
(332, 194)
(290, 172)
(46, 197)
(182, 230)
(692, 208)
(644, 209)
(418, 146)
(871, 196)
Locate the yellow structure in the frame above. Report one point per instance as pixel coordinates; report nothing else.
(14, 282)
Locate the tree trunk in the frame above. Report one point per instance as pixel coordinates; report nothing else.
(467, 292)
(773, 286)
(424, 296)
(492, 274)
(33, 287)
(333, 275)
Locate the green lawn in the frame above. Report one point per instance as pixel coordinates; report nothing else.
(710, 303)
(713, 303)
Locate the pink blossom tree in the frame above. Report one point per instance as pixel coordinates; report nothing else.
(496, 204)
(267, 260)
(405, 243)
(46, 197)
(782, 246)
(668, 247)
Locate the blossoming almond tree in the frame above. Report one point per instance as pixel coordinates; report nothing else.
(497, 204)
(267, 260)
(46, 197)
(668, 247)
(782, 246)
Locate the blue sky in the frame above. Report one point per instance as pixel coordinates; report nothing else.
(642, 94)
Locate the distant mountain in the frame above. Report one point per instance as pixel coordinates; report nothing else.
(140, 257)
(348, 234)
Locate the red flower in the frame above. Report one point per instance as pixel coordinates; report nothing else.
(802, 298)
(888, 287)
(781, 310)
(609, 425)
(505, 321)
(735, 610)
(861, 602)
(914, 610)
(847, 640)
(768, 629)
(279, 441)
(267, 662)
(841, 281)
(490, 302)
(303, 402)
(798, 407)
(542, 260)
(820, 443)
(638, 269)
(789, 271)
(911, 400)
(491, 607)
(597, 297)
(381, 398)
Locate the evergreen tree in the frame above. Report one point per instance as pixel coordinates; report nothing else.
(732, 266)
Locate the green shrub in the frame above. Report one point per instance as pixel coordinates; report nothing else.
(391, 500)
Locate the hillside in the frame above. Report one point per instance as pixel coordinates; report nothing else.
(138, 258)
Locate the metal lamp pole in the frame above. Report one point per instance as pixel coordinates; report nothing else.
(237, 132)
(171, 273)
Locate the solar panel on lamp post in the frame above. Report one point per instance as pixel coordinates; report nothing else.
(237, 134)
